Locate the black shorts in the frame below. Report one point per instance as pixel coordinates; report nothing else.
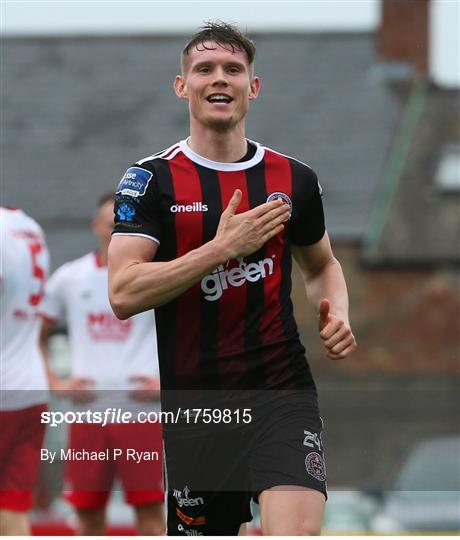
(213, 470)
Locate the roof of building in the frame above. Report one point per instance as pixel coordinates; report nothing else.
(78, 112)
(415, 221)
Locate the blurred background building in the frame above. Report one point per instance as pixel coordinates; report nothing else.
(365, 92)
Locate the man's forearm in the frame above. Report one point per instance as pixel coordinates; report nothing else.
(329, 283)
(148, 285)
(45, 332)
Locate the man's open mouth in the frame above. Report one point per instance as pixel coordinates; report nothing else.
(219, 98)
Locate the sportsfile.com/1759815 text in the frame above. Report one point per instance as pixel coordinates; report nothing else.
(118, 415)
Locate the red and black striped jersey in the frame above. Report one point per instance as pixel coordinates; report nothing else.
(235, 328)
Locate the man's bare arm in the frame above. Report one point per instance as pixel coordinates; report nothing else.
(326, 288)
(78, 389)
(46, 328)
(137, 284)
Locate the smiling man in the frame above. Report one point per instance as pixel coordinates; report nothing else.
(204, 233)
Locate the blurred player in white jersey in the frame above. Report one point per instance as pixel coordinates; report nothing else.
(23, 385)
(115, 364)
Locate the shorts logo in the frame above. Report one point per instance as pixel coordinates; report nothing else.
(312, 439)
(182, 498)
(285, 198)
(134, 183)
(314, 464)
(189, 532)
(198, 520)
(125, 212)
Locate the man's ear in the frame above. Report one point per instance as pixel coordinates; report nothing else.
(180, 87)
(254, 88)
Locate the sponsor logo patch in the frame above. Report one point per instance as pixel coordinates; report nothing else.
(196, 206)
(104, 326)
(219, 280)
(285, 198)
(183, 499)
(126, 212)
(314, 464)
(134, 183)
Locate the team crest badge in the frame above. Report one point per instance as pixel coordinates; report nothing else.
(285, 198)
(314, 464)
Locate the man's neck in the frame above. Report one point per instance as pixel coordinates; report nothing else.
(226, 147)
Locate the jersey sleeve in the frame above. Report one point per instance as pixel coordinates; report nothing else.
(53, 303)
(137, 204)
(307, 225)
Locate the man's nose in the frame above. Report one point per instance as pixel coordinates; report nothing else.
(220, 78)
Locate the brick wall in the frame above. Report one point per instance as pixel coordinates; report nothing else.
(405, 320)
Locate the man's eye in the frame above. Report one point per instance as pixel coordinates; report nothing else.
(234, 70)
(204, 70)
